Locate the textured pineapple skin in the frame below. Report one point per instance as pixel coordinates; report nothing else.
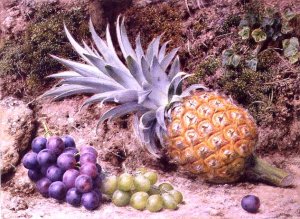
(208, 135)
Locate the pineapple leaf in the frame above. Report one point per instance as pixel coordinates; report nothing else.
(101, 86)
(64, 74)
(75, 45)
(146, 70)
(174, 84)
(82, 69)
(168, 59)
(147, 119)
(123, 40)
(152, 49)
(142, 96)
(109, 56)
(119, 76)
(138, 48)
(109, 42)
(135, 70)
(162, 51)
(175, 68)
(159, 76)
(193, 87)
(90, 50)
(62, 89)
(120, 110)
(159, 133)
(97, 62)
(160, 117)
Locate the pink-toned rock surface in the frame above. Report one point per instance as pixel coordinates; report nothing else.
(118, 147)
(16, 126)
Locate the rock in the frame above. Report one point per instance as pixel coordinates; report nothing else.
(17, 203)
(16, 125)
(8, 22)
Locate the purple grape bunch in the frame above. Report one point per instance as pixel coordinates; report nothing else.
(63, 172)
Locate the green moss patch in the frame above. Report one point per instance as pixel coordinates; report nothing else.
(154, 20)
(28, 56)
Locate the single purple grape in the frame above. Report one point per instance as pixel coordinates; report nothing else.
(73, 197)
(89, 169)
(250, 203)
(97, 182)
(90, 200)
(84, 183)
(87, 158)
(54, 173)
(43, 170)
(66, 161)
(34, 175)
(55, 145)
(46, 158)
(70, 150)
(57, 190)
(88, 149)
(38, 144)
(69, 141)
(30, 161)
(43, 186)
(69, 178)
(73, 151)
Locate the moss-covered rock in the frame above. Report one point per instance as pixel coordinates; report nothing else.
(28, 56)
(205, 68)
(250, 88)
(154, 20)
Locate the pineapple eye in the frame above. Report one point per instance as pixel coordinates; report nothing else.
(231, 134)
(244, 147)
(177, 111)
(191, 137)
(192, 104)
(179, 143)
(203, 152)
(204, 111)
(217, 141)
(205, 128)
(190, 119)
(176, 128)
(220, 119)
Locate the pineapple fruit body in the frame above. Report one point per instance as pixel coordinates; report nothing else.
(204, 133)
(210, 136)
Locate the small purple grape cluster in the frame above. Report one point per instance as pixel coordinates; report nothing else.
(63, 173)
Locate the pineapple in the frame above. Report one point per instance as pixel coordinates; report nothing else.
(203, 132)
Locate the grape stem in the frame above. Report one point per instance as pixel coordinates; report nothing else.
(48, 133)
(260, 170)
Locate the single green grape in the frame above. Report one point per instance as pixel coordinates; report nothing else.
(141, 170)
(169, 201)
(154, 190)
(155, 203)
(125, 182)
(109, 185)
(121, 198)
(165, 187)
(141, 183)
(152, 176)
(177, 196)
(139, 200)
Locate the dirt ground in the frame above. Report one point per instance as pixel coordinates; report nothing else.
(201, 200)
(279, 139)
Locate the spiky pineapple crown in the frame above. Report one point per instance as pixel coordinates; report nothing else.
(141, 84)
